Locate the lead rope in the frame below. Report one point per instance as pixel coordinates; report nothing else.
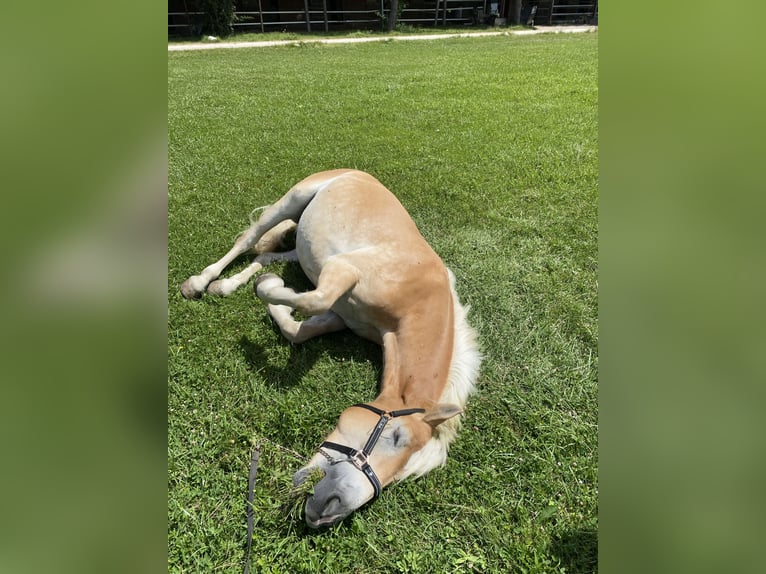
(251, 490)
(250, 500)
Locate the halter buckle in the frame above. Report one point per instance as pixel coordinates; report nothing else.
(359, 460)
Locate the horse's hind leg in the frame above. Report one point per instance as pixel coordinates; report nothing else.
(227, 286)
(268, 249)
(290, 206)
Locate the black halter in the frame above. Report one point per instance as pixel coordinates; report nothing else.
(359, 457)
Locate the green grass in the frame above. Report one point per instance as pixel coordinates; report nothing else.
(491, 144)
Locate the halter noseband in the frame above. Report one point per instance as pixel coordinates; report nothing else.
(359, 458)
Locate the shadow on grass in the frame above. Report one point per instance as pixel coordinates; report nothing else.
(278, 377)
(342, 346)
(578, 551)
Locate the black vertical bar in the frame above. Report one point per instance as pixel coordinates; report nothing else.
(382, 16)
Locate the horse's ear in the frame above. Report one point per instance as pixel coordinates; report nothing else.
(441, 413)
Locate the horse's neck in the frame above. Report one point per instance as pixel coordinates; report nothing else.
(417, 359)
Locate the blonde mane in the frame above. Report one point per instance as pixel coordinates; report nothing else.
(461, 383)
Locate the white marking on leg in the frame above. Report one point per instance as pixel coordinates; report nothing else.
(193, 287)
(225, 287)
(337, 278)
(300, 331)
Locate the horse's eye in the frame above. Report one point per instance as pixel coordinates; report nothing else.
(397, 437)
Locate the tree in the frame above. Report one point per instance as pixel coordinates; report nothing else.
(218, 17)
(393, 15)
(514, 14)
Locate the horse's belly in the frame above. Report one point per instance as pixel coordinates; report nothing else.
(355, 318)
(325, 231)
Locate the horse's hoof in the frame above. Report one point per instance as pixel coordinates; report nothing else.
(266, 281)
(189, 290)
(217, 288)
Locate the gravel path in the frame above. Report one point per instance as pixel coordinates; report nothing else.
(178, 47)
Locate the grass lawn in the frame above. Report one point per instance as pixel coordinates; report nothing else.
(491, 144)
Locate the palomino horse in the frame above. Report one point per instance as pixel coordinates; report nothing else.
(375, 274)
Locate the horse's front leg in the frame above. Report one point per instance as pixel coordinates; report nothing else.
(301, 331)
(337, 278)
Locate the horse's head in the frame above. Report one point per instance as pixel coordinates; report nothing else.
(367, 450)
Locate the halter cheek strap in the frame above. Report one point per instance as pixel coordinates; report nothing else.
(359, 458)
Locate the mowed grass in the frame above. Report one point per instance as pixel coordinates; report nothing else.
(491, 144)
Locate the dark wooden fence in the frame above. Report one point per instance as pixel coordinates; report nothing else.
(185, 18)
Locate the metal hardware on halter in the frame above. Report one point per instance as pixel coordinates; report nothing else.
(360, 458)
(327, 455)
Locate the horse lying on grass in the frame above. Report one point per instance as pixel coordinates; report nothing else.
(376, 275)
